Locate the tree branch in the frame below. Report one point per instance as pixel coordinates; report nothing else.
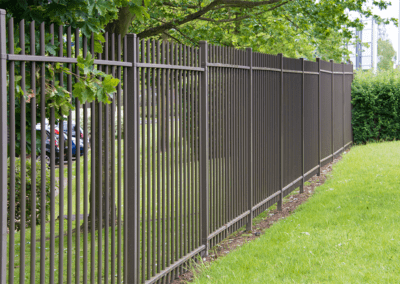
(174, 38)
(196, 15)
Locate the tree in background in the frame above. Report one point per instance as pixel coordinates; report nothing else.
(386, 55)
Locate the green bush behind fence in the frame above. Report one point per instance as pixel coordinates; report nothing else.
(376, 106)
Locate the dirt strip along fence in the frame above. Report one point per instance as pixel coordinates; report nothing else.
(195, 143)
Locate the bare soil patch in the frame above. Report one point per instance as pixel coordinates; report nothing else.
(239, 238)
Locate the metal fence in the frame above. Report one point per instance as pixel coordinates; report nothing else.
(195, 143)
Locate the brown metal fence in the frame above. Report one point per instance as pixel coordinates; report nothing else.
(195, 143)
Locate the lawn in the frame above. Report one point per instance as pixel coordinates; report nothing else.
(146, 159)
(347, 232)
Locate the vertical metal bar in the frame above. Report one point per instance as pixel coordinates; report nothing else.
(92, 181)
(319, 117)
(181, 193)
(189, 149)
(100, 187)
(133, 225)
(302, 126)
(85, 179)
(226, 141)
(61, 175)
(196, 123)
(77, 171)
(279, 206)
(204, 149)
(159, 154)
(332, 102)
(107, 171)
(218, 141)
(112, 138)
(131, 137)
(221, 141)
(52, 180)
(12, 146)
(185, 188)
(164, 148)
(191, 142)
(23, 156)
(33, 153)
(3, 148)
(146, 144)
(142, 144)
(153, 184)
(178, 226)
(343, 96)
(168, 165)
(43, 160)
(213, 142)
(119, 206)
(69, 87)
(249, 100)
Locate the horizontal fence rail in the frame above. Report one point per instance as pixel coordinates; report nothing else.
(194, 143)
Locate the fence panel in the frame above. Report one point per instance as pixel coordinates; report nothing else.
(292, 122)
(338, 107)
(311, 127)
(228, 120)
(214, 136)
(348, 78)
(326, 111)
(168, 158)
(266, 115)
(52, 238)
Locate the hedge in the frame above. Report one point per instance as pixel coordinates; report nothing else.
(376, 101)
(29, 195)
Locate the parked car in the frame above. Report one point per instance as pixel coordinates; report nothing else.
(82, 149)
(48, 147)
(73, 134)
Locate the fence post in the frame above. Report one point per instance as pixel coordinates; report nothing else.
(279, 205)
(250, 158)
(343, 96)
(131, 135)
(302, 126)
(204, 148)
(3, 148)
(319, 117)
(332, 102)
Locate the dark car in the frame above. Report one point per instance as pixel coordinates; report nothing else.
(48, 147)
(73, 134)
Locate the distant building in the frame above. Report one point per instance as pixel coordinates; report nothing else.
(366, 57)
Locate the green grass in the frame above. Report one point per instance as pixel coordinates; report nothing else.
(148, 156)
(347, 232)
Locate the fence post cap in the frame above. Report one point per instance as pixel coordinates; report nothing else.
(2, 12)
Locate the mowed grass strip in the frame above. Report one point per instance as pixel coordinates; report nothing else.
(347, 232)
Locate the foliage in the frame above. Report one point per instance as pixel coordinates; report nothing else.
(304, 28)
(386, 54)
(376, 106)
(29, 193)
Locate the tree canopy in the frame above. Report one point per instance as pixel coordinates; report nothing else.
(301, 28)
(386, 55)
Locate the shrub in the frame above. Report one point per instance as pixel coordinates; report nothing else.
(18, 211)
(376, 101)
